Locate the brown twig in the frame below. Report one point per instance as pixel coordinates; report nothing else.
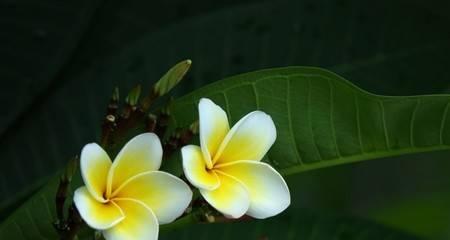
(109, 122)
(149, 99)
(108, 127)
(180, 138)
(223, 219)
(163, 120)
(61, 223)
(177, 140)
(150, 123)
(74, 224)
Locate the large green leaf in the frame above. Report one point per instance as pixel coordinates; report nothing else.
(323, 120)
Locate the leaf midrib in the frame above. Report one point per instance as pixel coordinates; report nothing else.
(358, 158)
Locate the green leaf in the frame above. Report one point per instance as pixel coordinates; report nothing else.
(323, 120)
(295, 224)
(8, 205)
(34, 219)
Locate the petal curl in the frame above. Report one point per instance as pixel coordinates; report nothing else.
(195, 170)
(96, 214)
(249, 139)
(141, 154)
(269, 193)
(139, 223)
(166, 195)
(214, 127)
(231, 198)
(95, 164)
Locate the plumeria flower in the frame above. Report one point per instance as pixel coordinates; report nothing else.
(129, 198)
(227, 166)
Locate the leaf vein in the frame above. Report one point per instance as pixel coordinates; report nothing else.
(333, 127)
(412, 122)
(289, 115)
(227, 105)
(29, 215)
(383, 118)
(19, 228)
(358, 122)
(359, 157)
(309, 120)
(444, 119)
(256, 95)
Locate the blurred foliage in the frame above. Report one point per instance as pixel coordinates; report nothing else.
(409, 214)
(61, 60)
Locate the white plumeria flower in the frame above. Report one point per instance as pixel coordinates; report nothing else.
(227, 166)
(129, 198)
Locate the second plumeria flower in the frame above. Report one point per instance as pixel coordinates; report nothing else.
(227, 166)
(129, 198)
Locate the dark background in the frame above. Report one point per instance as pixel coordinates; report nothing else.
(59, 62)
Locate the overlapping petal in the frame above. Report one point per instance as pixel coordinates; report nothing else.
(214, 127)
(96, 214)
(231, 198)
(250, 139)
(141, 154)
(195, 169)
(269, 193)
(95, 164)
(165, 194)
(140, 222)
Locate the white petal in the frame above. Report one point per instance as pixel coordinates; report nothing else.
(213, 128)
(95, 165)
(141, 154)
(231, 198)
(166, 195)
(96, 214)
(195, 170)
(269, 193)
(139, 223)
(249, 139)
